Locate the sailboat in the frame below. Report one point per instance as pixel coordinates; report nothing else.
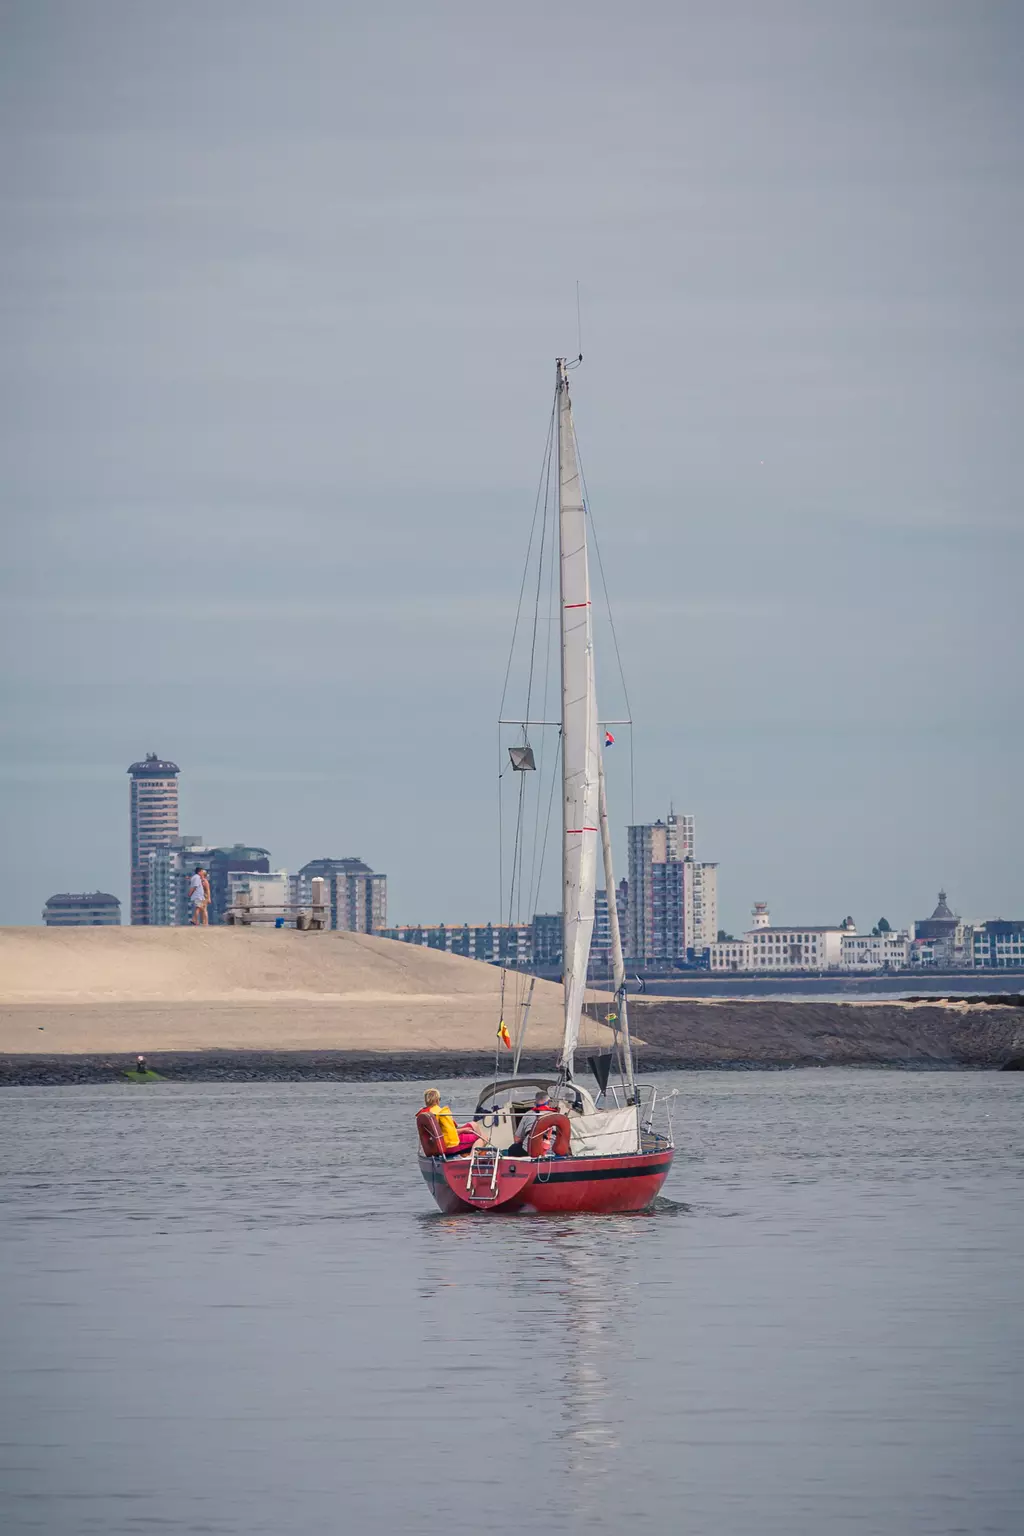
(579, 1153)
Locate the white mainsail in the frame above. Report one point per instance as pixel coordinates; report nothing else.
(580, 760)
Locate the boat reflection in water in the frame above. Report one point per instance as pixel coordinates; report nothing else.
(543, 1304)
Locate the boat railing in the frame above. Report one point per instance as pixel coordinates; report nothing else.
(647, 1099)
(646, 1094)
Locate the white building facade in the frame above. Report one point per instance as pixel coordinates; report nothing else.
(254, 889)
(804, 947)
(875, 952)
(730, 955)
(700, 905)
(771, 949)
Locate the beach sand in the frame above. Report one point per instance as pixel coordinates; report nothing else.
(76, 1003)
(98, 990)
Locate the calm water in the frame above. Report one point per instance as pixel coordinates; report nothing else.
(841, 989)
(232, 1309)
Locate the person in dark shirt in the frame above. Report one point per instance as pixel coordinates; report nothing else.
(541, 1106)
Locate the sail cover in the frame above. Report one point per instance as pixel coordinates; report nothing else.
(579, 728)
(605, 1133)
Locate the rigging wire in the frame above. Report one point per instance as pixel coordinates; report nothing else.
(610, 896)
(546, 548)
(540, 569)
(611, 623)
(542, 499)
(526, 565)
(542, 485)
(604, 582)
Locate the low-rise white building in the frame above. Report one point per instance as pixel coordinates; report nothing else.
(801, 947)
(274, 889)
(729, 955)
(875, 951)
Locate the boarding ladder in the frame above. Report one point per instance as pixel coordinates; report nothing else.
(482, 1178)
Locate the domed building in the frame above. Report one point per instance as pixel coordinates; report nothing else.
(942, 939)
(941, 925)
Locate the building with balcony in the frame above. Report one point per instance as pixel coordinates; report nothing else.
(85, 909)
(546, 940)
(153, 820)
(672, 910)
(998, 944)
(495, 943)
(601, 943)
(171, 866)
(700, 906)
(358, 896)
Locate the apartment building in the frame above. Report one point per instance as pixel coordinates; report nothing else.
(358, 895)
(496, 943)
(82, 909)
(153, 820)
(999, 944)
(672, 910)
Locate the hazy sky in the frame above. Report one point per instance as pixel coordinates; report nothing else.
(282, 286)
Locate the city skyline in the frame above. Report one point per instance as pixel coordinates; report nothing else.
(268, 458)
(660, 918)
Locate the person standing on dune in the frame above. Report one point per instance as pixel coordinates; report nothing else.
(199, 896)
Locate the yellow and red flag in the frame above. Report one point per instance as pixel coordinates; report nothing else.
(504, 1036)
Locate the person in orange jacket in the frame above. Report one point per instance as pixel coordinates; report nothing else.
(457, 1138)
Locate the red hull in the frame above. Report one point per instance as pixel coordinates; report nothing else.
(623, 1183)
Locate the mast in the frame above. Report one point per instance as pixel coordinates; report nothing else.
(618, 965)
(580, 756)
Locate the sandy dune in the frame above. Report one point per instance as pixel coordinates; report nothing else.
(111, 989)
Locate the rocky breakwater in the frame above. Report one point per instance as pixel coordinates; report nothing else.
(683, 1032)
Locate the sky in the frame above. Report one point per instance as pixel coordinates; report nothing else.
(282, 287)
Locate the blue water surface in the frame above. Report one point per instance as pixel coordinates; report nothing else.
(234, 1309)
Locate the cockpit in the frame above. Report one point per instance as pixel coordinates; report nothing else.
(503, 1103)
